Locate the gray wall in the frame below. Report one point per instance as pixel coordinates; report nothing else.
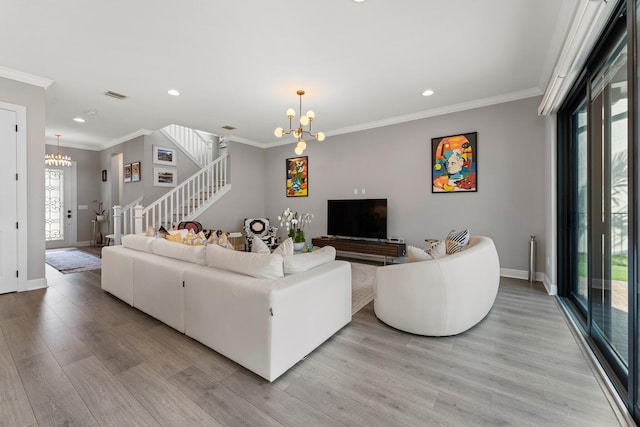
(247, 196)
(394, 163)
(141, 149)
(88, 189)
(32, 97)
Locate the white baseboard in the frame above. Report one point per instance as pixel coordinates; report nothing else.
(30, 285)
(524, 275)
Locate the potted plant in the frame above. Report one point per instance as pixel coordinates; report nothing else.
(100, 216)
(295, 223)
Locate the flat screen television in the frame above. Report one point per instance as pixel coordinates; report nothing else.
(364, 218)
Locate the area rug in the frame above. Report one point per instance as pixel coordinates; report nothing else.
(72, 260)
(362, 276)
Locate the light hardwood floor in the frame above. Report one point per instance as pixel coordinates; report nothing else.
(74, 355)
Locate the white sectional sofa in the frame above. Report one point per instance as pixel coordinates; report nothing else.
(266, 323)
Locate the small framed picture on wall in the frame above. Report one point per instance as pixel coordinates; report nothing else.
(135, 171)
(454, 163)
(164, 156)
(297, 184)
(127, 172)
(165, 177)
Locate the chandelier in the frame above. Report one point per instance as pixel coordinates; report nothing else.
(299, 132)
(57, 160)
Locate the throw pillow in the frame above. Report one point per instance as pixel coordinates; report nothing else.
(192, 239)
(177, 237)
(262, 266)
(162, 232)
(456, 241)
(285, 248)
(194, 226)
(258, 246)
(306, 261)
(415, 254)
(437, 250)
(151, 232)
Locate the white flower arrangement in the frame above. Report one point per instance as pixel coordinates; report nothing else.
(295, 223)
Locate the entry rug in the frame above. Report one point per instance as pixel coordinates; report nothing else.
(72, 261)
(362, 276)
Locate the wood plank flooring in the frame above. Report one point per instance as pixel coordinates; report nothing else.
(74, 355)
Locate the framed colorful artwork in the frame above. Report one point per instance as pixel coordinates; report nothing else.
(135, 171)
(297, 177)
(454, 163)
(165, 177)
(127, 172)
(164, 156)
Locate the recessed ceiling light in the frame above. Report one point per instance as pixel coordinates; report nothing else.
(173, 92)
(358, 1)
(78, 119)
(427, 92)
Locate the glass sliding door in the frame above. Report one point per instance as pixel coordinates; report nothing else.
(609, 207)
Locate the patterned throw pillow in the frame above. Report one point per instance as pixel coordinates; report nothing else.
(177, 237)
(216, 237)
(415, 254)
(456, 241)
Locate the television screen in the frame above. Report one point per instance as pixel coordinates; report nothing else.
(366, 218)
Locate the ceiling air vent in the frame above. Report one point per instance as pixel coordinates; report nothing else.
(115, 95)
(228, 127)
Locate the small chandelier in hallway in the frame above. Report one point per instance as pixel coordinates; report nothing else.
(57, 159)
(300, 131)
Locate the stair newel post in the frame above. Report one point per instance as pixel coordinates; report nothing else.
(137, 218)
(117, 223)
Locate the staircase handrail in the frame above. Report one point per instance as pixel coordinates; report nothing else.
(178, 204)
(191, 142)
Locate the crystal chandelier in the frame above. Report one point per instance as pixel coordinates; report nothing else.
(299, 132)
(57, 160)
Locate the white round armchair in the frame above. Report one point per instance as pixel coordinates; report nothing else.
(439, 297)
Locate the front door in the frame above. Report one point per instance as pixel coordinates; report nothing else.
(8, 209)
(59, 207)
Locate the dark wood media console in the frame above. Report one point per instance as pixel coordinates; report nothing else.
(384, 249)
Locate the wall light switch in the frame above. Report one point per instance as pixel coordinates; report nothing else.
(364, 191)
(355, 191)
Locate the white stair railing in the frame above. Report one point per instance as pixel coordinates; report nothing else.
(127, 216)
(191, 197)
(192, 143)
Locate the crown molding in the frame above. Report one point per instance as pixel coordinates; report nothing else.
(125, 138)
(23, 77)
(478, 103)
(243, 141)
(78, 145)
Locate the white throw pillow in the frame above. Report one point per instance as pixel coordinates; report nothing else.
(194, 254)
(415, 254)
(306, 261)
(285, 249)
(137, 242)
(258, 246)
(262, 266)
(438, 249)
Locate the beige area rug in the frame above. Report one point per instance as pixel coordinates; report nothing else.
(362, 276)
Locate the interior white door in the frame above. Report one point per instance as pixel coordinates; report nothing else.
(8, 209)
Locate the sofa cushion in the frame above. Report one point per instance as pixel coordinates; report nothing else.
(138, 242)
(415, 254)
(194, 254)
(306, 261)
(262, 266)
(285, 249)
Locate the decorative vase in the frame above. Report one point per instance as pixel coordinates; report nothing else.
(298, 246)
(100, 217)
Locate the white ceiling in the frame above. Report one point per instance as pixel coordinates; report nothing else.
(240, 62)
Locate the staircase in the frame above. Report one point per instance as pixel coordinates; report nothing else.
(190, 198)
